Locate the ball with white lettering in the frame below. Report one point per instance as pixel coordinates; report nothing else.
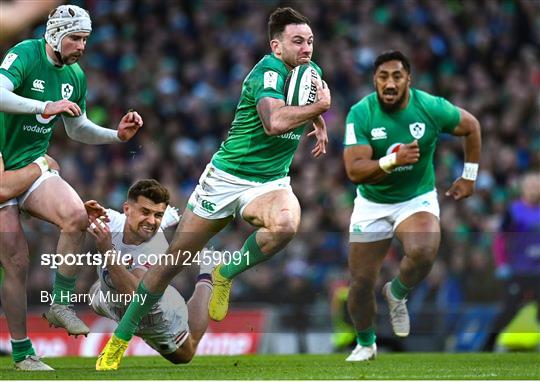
(300, 88)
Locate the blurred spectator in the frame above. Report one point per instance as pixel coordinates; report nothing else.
(517, 253)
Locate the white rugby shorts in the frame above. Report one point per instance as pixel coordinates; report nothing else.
(22, 198)
(220, 194)
(164, 329)
(372, 221)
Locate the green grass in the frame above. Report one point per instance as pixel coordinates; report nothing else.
(331, 366)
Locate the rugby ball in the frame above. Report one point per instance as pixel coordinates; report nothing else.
(300, 88)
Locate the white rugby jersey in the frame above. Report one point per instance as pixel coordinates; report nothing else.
(165, 327)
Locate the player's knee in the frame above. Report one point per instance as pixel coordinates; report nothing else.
(75, 221)
(180, 357)
(362, 284)
(285, 225)
(422, 255)
(16, 265)
(183, 360)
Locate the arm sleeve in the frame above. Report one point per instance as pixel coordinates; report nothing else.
(354, 133)
(15, 104)
(83, 130)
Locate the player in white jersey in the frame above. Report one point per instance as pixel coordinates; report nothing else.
(136, 237)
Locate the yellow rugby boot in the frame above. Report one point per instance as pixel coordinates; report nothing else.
(111, 355)
(219, 302)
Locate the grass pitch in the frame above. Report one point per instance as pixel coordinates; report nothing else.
(331, 366)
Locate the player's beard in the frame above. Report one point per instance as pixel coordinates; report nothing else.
(71, 59)
(391, 107)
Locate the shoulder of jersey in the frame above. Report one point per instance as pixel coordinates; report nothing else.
(27, 49)
(30, 43)
(420, 95)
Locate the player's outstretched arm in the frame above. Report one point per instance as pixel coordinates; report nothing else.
(14, 182)
(83, 130)
(15, 104)
(361, 168)
(469, 129)
(277, 118)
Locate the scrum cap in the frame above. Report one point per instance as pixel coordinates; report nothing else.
(64, 20)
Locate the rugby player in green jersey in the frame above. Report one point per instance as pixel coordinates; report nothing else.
(40, 80)
(248, 176)
(390, 138)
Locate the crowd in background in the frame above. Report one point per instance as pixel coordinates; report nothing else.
(181, 66)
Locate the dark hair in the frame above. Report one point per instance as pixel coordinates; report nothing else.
(282, 17)
(391, 56)
(149, 188)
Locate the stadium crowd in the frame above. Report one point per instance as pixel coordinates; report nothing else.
(180, 65)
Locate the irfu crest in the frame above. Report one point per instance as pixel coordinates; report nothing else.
(417, 129)
(67, 91)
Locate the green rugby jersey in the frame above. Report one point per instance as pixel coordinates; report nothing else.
(248, 152)
(27, 136)
(424, 118)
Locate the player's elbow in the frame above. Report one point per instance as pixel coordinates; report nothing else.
(354, 176)
(276, 125)
(70, 131)
(273, 128)
(469, 125)
(474, 126)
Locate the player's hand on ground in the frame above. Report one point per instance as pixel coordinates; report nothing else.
(53, 164)
(408, 153)
(101, 233)
(62, 106)
(95, 211)
(320, 132)
(461, 189)
(129, 125)
(324, 99)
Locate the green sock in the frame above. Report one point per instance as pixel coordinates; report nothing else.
(251, 256)
(64, 286)
(135, 312)
(21, 349)
(366, 337)
(399, 290)
(1, 275)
